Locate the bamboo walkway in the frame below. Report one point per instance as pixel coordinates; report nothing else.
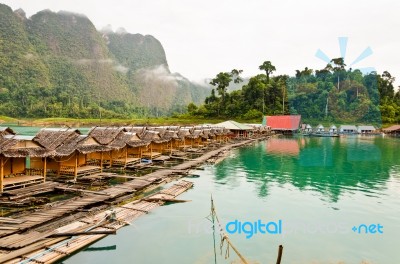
(39, 247)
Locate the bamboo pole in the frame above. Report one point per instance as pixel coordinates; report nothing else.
(280, 250)
(126, 155)
(1, 173)
(44, 169)
(89, 233)
(101, 161)
(225, 237)
(76, 165)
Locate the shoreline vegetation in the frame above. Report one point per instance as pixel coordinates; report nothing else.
(77, 122)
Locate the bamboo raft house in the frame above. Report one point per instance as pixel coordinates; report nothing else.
(17, 154)
(185, 142)
(196, 138)
(170, 138)
(125, 148)
(69, 152)
(156, 145)
(73, 157)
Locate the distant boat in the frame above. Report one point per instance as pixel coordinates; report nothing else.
(323, 134)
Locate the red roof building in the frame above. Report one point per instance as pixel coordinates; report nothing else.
(284, 122)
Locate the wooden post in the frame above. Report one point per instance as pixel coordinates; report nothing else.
(111, 158)
(76, 165)
(280, 250)
(126, 154)
(151, 150)
(101, 161)
(1, 173)
(44, 169)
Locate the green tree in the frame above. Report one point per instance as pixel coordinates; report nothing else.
(268, 68)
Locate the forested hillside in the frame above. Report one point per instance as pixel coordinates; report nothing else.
(59, 65)
(333, 94)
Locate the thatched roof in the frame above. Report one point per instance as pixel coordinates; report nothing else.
(190, 128)
(13, 146)
(105, 135)
(152, 136)
(160, 130)
(197, 133)
(184, 132)
(217, 131)
(136, 129)
(170, 134)
(207, 133)
(6, 131)
(83, 143)
(127, 138)
(51, 138)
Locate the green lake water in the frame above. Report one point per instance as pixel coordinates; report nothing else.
(320, 188)
(33, 130)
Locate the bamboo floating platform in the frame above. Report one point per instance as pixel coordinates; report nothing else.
(29, 191)
(82, 232)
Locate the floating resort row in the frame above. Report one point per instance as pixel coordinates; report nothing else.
(66, 152)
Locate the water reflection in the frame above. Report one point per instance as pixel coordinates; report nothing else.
(330, 166)
(282, 145)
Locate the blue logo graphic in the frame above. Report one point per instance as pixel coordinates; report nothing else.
(368, 229)
(343, 48)
(251, 228)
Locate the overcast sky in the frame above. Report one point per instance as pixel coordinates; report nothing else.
(202, 38)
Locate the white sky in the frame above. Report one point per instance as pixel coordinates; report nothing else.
(202, 38)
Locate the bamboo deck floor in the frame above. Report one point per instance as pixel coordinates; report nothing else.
(29, 191)
(21, 180)
(37, 247)
(151, 155)
(125, 162)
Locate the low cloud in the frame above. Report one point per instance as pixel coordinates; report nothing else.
(121, 69)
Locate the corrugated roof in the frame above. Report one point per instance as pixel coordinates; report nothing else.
(284, 122)
(233, 125)
(348, 127)
(366, 128)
